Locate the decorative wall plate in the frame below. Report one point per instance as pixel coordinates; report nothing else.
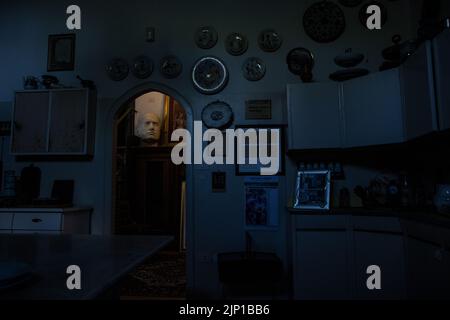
(142, 67)
(209, 75)
(217, 115)
(324, 21)
(117, 69)
(253, 69)
(363, 16)
(170, 67)
(206, 37)
(236, 44)
(269, 40)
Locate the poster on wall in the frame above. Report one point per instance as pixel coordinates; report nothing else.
(261, 203)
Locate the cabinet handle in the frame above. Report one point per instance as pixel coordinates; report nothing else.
(36, 220)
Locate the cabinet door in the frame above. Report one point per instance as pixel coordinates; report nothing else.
(418, 91)
(68, 121)
(373, 110)
(321, 265)
(385, 251)
(441, 49)
(314, 116)
(30, 127)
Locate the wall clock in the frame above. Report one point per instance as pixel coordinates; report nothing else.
(142, 67)
(117, 69)
(324, 21)
(206, 37)
(253, 69)
(217, 115)
(269, 40)
(170, 67)
(209, 75)
(236, 44)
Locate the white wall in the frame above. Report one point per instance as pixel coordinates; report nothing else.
(117, 28)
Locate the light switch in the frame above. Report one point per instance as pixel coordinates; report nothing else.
(150, 34)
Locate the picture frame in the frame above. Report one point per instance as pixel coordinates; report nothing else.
(61, 52)
(249, 170)
(312, 190)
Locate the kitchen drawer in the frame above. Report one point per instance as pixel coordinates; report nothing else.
(37, 221)
(6, 220)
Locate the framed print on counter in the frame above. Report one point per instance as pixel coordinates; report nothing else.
(61, 52)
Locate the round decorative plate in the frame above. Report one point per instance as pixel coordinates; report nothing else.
(206, 37)
(324, 22)
(363, 15)
(236, 44)
(117, 69)
(209, 75)
(269, 40)
(253, 69)
(142, 67)
(170, 67)
(217, 115)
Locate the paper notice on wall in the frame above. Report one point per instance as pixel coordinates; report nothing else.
(261, 202)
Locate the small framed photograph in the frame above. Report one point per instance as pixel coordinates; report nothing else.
(61, 52)
(249, 169)
(312, 190)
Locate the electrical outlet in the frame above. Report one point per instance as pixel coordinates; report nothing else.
(206, 258)
(150, 34)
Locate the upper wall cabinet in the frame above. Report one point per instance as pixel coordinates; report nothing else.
(54, 122)
(441, 49)
(420, 116)
(314, 116)
(372, 108)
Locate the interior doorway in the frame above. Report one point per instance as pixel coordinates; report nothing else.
(149, 191)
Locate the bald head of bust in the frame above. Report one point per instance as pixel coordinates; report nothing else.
(149, 128)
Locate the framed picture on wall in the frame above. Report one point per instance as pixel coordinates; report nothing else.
(61, 52)
(248, 169)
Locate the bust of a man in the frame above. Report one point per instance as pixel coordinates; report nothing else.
(149, 129)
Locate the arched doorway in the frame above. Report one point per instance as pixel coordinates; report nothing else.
(120, 108)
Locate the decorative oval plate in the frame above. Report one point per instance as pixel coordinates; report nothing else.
(236, 44)
(253, 69)
(209, 75)
(217, 115)
(117, 69)
(269, 40)
(142, 67)
(170, 67)
(206, 37)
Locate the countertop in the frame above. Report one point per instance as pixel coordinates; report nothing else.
(103, 261)
(425, 216)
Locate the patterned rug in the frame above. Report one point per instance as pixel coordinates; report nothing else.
(161, 277)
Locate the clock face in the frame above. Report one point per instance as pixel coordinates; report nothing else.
(117, 69)
(209, 75)
(253, 69)
(206, 37)
(217, 115)
(170, 67)
(142, 67)
(324, 21)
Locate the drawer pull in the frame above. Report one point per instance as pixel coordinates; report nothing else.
(35, 220)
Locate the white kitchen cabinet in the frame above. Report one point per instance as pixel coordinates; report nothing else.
(314, 114)
(54, 122)
(441, 50)
(419, 113)
(53, 221)
(373, 110)
(321, 258)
